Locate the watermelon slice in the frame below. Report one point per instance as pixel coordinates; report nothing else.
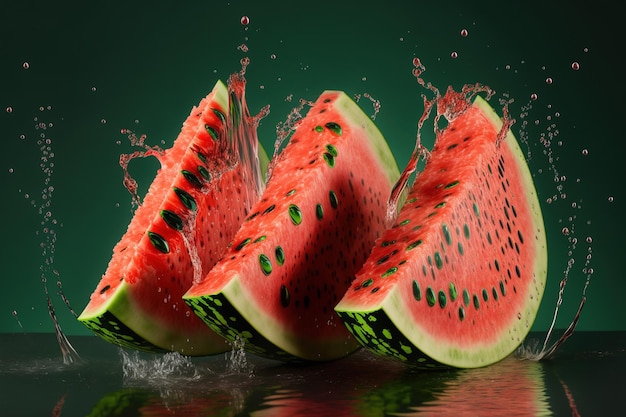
(192, 209)
(458, 279)
(297, 253)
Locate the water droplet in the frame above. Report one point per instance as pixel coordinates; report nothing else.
(589, 239)
(565, 231)
(610, 199)
(273, 56)
(548, 80)
(464, 32)
(585, 152)
(9, 109)
(26, 65)
(575, 66)
(245, 20)
(22, 136)
(93, 88)
(533, 96)
(454, 54)
(10, 170)
(103, 121)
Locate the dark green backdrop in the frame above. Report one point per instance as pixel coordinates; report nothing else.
(95, 68)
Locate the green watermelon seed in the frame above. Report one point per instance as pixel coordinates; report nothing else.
(334, 202)
(290, 193)
(476, 210)
(485, 295)
(414, 244)
(466, 297)
(502, 289)
(411, 200)
(269, 209)
(319, 128)
(405, 222)
(386, 243)
(280, 255)
(453, 292)
(367, 283)
(441, 296)
(331, 149)
(452, 184)
(186, 198)
(191, 177)
(295, 214)
(440, 205)
(284, 296)
(319, 211)
(158, 242)
(219, 114)
(334, 127)
(204, 172)
(417, 292)
(212, 132)
(494, 293)
(466, 231)
(266, 264)
(390, 271)
(438, 260)
(202, 157)
(172, 219)
(446, 233)
(330, 159)
(242, 244)
(461, 314)
(430, 297)
(460, 246)
(476, 302)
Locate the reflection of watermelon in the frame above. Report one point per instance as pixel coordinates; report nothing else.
(510, 388)
(296, 254)
(196, 202)
(459, 278)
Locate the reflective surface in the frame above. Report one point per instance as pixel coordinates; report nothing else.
(584, 378)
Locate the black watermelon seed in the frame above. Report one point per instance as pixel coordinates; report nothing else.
(284, 296)
(242, 244)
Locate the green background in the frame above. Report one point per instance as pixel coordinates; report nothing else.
(96, 68)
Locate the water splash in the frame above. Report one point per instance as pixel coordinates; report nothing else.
(449, 106)
(285, 129)
(237, 361)
(531, 350)
(48, 235)
(157, 368)
(129, 182)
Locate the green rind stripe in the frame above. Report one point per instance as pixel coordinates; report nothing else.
(224, 319)
(113, 330)
(376, 331)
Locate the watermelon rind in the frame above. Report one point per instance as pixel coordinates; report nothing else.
(384, 324)
(336, 147)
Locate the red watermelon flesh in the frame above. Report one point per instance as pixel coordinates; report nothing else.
(459, 277)
(196, 202)
(294, 257)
